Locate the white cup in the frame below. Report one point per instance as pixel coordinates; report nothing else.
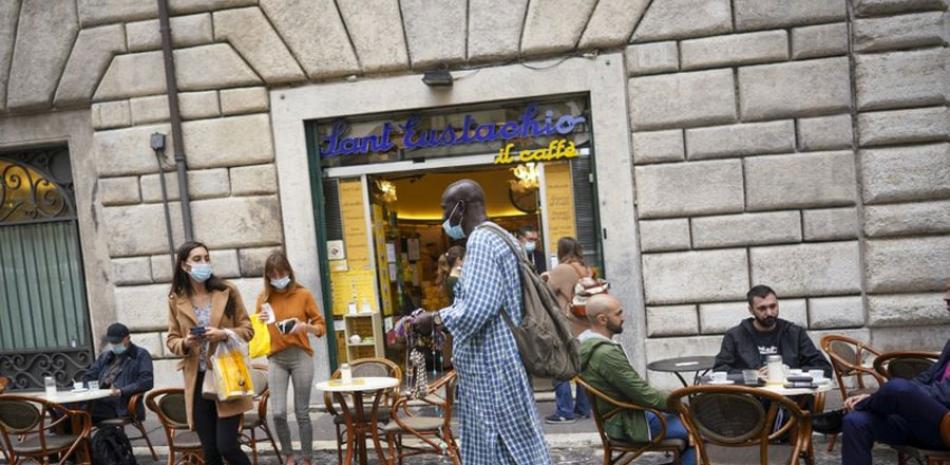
(77, 385)
(796, 372)
(719, 376)
(817, 375)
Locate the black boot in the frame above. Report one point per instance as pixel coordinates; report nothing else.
(828, 422)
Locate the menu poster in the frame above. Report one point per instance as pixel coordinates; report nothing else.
(356, 281)
(559, 195)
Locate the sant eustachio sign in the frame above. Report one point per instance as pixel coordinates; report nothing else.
(516, 132)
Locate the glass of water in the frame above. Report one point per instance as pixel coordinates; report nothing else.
(50, 385)
(93, 385)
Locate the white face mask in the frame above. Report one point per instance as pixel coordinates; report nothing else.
(280, 284)
(529, 246)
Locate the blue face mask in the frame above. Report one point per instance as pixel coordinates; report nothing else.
(280, 284)
(117, 349)
(455, 232)
(200, 272)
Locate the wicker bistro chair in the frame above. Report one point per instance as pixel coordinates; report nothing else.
(727, 421)
(906, 364)
(365, 367)
(135, 420)
(849, 358)
(434, 432)
(621, 452)
(169, 405)
(257, 419)
(26, 424)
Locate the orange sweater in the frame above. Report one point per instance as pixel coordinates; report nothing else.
(297, 303)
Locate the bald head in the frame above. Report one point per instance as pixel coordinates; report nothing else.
(463, 202)
(605, 313)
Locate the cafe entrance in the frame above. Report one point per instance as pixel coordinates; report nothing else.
(381, 229)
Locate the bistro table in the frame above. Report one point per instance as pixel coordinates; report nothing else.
(69, 397)
(699, 364)
(357, 424)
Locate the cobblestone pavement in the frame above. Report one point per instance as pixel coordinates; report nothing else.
(587, 455)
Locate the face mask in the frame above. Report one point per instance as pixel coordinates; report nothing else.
(117, 349)
(200, 272)
(455, 232)
(281, 283)
(529, 246)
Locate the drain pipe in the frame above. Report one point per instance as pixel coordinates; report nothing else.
(171, 89)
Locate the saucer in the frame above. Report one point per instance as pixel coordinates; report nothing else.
(723, 382)
(79, 390)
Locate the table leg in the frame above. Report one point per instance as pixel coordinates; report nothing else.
(350, 426)
(678, 375)
(361, 428)
(374, 425)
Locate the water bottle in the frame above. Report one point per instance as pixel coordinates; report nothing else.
(775, 368)
(346, 374)
(50, 385)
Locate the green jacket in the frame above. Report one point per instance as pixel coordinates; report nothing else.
(605, 366)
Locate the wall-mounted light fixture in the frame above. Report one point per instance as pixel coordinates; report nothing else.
(438, 78)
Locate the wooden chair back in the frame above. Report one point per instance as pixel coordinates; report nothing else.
(848, 356)
(439, 394)
(25, 418)
(735, 416)
(616, 407)
(370, 367)
(904, 364)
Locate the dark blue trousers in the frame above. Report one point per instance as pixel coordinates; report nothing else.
(900, 413)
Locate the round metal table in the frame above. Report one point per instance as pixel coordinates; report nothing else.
(357, 424)
(699, 364)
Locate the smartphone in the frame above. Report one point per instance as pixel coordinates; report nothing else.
(286, 326)
(197, 330)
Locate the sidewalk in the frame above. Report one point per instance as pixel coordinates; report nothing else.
(575, 444)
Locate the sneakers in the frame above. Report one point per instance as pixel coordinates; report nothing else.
(556, 419)
(828, 422)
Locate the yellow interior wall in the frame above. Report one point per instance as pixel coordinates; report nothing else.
(355, 274)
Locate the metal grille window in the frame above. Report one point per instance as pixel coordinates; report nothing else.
(44, 323)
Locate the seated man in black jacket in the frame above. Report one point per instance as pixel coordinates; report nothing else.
(123, 367)
(746, 347)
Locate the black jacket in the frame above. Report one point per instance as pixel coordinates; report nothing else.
(930, 379)
(739, 351)
(135, 375)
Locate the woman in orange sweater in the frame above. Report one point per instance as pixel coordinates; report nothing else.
(290, 355)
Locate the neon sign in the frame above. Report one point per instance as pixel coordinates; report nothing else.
(558, 149)
(529, 124)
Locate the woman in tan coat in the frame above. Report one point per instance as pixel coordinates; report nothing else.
(204, 310)
(562, 279)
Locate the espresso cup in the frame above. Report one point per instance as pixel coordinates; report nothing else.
(817, 375)
(77, 386)
(719, 376)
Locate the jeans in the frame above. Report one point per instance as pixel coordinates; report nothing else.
(296, 364)
(219, 436)
(900, 413)
(566, 406)
(674, 430)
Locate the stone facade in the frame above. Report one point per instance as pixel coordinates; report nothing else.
(762, 151)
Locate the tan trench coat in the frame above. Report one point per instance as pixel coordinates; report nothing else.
(181, 318)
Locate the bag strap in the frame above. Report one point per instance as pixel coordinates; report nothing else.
(497, 231)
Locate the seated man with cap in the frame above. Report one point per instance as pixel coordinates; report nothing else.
(123, 367)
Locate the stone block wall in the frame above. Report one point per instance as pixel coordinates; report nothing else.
(765, 153)
(902, 79)
(800, 143)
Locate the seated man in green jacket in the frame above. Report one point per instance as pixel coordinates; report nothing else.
(605, 366)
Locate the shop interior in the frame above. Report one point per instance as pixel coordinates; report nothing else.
(400, 273)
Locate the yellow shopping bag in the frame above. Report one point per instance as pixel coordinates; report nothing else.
(260, 343)
(232, 376)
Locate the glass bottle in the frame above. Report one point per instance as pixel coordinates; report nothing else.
(346, 374)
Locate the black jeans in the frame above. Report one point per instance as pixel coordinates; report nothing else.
(219, 436)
